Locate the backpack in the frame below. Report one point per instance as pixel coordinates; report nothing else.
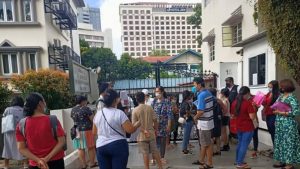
(53, 123)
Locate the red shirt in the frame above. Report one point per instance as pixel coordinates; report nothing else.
(244, 123)
(267, 105)
(39, 138)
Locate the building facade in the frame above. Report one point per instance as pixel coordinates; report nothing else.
(37, 34)
(157, 26)
(90, 16)
(95, 38)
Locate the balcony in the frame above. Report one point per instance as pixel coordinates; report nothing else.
(63, 13)
(61, 55)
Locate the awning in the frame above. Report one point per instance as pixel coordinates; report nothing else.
(233, 20)
(251, 39)
(209, 38)
(20, 48)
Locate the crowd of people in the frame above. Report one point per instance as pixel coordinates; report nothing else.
(218, 116)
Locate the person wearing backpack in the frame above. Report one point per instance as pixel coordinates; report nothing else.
(35, 137)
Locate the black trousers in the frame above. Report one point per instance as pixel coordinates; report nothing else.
(57, 164)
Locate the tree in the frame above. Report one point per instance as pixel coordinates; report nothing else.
(52, 84)
(84, 46)
(282, 23)
(5, 96)
(196, 20)
(159, 53)
(131, 68)
(103, 57)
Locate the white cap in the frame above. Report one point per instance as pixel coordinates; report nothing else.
(145, 91)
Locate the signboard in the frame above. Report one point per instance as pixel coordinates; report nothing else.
(176, 9)
(79, 78)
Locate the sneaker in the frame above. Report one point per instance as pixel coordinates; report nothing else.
(225, 148)
(254, 155)
(185, 151)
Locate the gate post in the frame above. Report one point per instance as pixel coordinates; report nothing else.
(157, 73)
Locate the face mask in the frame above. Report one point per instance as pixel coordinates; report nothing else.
(194, 90)
(227, 84)
(270, 89)
(157, 94)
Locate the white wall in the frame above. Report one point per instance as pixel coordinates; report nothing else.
(213, 15)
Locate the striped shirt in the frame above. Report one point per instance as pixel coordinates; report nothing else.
(206, 104)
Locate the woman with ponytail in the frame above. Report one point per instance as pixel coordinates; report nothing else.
(243, 110)
(35, 138)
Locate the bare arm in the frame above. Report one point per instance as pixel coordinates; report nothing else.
(95, 130)
(252, 116)
(58, 147)
(129, 127)
(25, 152)
(199, 114)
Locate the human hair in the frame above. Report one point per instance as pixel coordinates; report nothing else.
(110, 97)
(31, 103)
(103, 87)
(186, 94)
(287, 85)
(213, 91)
(199, 80)
(275, 91)
(243, 91)
(225, 92)
(79, 99)
(121, 107)
(162, 90)
(17, 101)
(230, 79)
(140, 97)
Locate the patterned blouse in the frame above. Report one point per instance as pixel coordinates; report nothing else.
(80, 116)
(164, 113)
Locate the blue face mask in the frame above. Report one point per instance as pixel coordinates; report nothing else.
(194, 90)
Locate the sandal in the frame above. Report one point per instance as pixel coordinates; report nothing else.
(202, 166)
(244, 166)
(208, 166)
(95, 165)
(197, 163)
(280, 165)
(292, 167)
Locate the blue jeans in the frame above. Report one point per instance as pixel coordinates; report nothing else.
(271, 125)
(244, 139)
(113, 155)
(187, 128)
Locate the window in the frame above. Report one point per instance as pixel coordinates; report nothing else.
(6, 11)
(183, 18)
(124, 17)
(144, 43)
(131, 33)
(125, 28)
(148, 38)
(142, 22)
(136, 22)
(257, 70)
(142, 17)
(130, 11)
(136, 17)
(148, 12)
(10, 63)
(149, 43)
(124, 22)
(137, 33)
(137, 38)
(142, 12)
(172, 18)
(32, 61)
(148, 22)
(125, 38)
(211, 51)
(148, 17)
(124, 12)
(126, 49)
(137, 28)
(148, 27)
(237, 33)
(156, 18)
(126, 44)
(177, 18)
(161, 18)
(148, 33)
(27, 10)
(130, 17)
(136, 12)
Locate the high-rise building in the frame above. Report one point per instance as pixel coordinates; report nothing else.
(90, 16)
(157, 26)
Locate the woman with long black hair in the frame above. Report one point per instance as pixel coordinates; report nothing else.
(243, 110)
(270, 99)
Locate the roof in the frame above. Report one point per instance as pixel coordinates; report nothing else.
(154, 59)
(251, 39)
(182, 54)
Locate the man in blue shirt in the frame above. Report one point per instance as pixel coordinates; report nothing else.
(205, 123)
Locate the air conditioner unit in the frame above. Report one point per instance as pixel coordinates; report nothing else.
(56, 43)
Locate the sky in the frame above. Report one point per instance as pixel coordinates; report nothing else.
(110, 16)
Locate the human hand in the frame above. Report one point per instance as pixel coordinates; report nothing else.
(41, 163)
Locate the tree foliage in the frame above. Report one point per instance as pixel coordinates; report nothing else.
(159, 53)
(196, 19)
(5, 96)
(282, 22)
(104, 58)
(52, 84)
(131, 68)
(84, 46)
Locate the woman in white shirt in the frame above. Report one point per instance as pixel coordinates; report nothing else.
(111, 126)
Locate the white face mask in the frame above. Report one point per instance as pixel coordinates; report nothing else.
(270, 89)
(157, 95)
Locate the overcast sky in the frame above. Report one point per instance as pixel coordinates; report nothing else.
(110, 16)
